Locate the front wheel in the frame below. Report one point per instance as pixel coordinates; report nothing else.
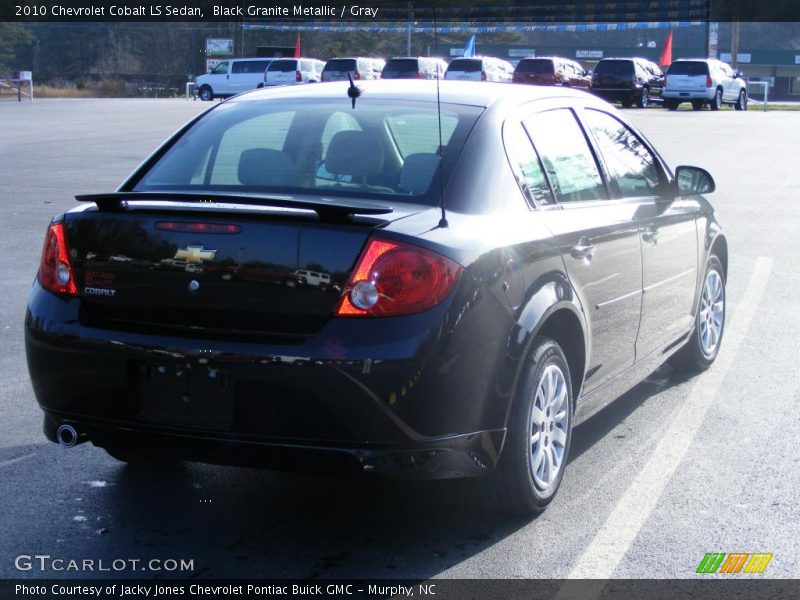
(535, 454)
(703, 346)
(206, 93)
(671, 104)
(741, 101)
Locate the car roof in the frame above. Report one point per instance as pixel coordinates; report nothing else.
(471, 93)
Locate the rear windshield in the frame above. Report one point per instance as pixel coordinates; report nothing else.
(688, 68)
(283, 66)
(341, 64)
(380, 149)
(535, 66)
(466, 65)
(400, 67)
(614, 67)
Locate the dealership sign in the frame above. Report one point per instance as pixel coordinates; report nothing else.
(521, 52)
(740, 57)
(588, 54)
(219, 47)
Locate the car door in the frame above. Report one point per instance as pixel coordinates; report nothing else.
(666, 227)
(597, 238)
(218, 78)
(246, 75)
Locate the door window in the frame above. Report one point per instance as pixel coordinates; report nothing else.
(632, 169)
(566, 156)
(220, 69)
(526, 165)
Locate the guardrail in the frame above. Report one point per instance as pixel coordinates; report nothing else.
(15, 85)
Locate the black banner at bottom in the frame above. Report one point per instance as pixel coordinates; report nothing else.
(716, 588)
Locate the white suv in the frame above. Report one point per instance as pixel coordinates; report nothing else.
(480, 68)
(290, 71)
(232, 77)
(704, 81)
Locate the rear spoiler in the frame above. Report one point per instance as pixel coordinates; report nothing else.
(325, 208)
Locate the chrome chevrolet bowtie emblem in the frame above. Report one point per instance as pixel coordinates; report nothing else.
(195, 254)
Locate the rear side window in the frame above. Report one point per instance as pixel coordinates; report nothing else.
(465, 65)
(249, 66)
(688, 68)
(565, 153)
(633, 170)
(526, 165)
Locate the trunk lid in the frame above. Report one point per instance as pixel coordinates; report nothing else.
(194, 271)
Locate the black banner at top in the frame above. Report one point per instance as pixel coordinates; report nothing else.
(398, 11)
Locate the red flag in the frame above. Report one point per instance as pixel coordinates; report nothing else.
(666, 53)
(297, 47)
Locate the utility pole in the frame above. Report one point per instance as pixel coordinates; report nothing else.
(410, 24)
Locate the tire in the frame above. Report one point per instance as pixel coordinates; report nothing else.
(671, 104)
(627, 103)
(644, 98)
(206, 93)
(699, 353)
(716, 102)
(522, 483)
(697, 105)
(741, 101)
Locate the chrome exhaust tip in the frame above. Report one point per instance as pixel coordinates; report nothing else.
(68, 436)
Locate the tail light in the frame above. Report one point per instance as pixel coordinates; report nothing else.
(709, 83)
(516, 77)
(419, 75)
(357, 75)
(483, 75)
(392, 278)
(55, 270)
(298, 76)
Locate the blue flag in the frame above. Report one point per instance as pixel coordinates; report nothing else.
(469, 49)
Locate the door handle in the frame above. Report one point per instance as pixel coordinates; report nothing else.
(650, 236)
(583, 249)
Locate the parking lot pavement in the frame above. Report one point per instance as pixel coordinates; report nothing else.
(672, 470)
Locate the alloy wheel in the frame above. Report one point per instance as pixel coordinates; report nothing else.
(549, 427)
(712, 312)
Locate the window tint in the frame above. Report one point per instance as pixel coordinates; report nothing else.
(342, 64)
(283, 66)
(685, 67)
(632, 167)
(614, 67)
(566, 156)
(525, 164)
(249, 66)
(316, 147)
(538, 66)
(466, 65)
(220, 69)
(401, 68)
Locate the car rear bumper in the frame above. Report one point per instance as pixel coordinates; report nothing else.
(688, 95)
(373, 395)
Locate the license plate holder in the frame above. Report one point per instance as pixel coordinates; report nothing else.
(186, 394)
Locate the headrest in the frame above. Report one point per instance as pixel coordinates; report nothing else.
(354, 153)
(265, 167)
(418, 171)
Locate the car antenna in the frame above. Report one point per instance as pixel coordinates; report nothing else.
(443, 221)
(353, 91)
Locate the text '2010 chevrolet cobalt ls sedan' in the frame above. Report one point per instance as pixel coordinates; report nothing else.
(363, 278)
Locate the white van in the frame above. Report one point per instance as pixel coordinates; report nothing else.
(232, 77)
(314, 278)
(289, 71)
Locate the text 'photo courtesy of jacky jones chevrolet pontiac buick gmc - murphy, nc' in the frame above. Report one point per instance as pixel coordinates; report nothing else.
(359, 278)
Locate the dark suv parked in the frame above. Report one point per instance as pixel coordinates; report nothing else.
(628, 81)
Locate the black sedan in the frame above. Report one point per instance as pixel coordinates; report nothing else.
(489, 270)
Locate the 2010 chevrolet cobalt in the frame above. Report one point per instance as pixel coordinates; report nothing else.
(334, 277)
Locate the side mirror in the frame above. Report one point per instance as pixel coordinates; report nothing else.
(690, 181)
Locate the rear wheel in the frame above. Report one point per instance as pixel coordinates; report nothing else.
(627, 103)
(206, 93)
(671, 104)
(697, 105)
(535, 454)
(716, 103)
(644, 98)
(741, 101)
(703, 346)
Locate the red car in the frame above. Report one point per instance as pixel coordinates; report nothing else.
(552, 70)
